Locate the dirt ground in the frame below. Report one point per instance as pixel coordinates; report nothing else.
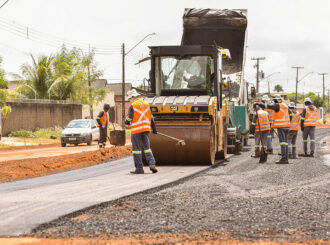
(28, 163)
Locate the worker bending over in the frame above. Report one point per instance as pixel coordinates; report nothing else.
(265, 99)
(260, 127)
(282, 123)
(102, 123)
(294, 127)
(141, 121)
(308, 124)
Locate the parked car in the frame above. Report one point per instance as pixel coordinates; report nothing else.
(80, 131)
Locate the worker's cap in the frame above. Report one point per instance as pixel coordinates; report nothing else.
(292, 105)
(132, 93)
(265, 97)
(307, 99)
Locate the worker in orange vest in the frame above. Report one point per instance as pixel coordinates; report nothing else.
(308, 124)
(141, 121)
(294, 127)
(102, 123)
(265, 99)
(260, 127)
(282, 123)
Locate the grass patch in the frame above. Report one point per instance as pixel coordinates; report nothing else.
(43, 133)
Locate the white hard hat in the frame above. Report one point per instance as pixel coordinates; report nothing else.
(132, 93)
(307, 99)
(265, 97)
(292, 105)
(277, 97)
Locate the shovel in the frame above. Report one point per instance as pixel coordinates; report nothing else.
(263, 155)
(179, 142)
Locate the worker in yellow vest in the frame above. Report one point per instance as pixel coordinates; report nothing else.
(265, 99)
(141, 121)
(294, 127)
(308, 124)
(260, 127)
(282, 124)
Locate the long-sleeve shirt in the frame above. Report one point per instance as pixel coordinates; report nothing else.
(99, 121)
(303, 115)
(276, 108)
(130, 115)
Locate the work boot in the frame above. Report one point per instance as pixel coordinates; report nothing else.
(256, 154)
(303, 154)
(153, 170)
(282, 161)
(137, 172)
(290, 156)
(294, 156)
(270, 152)
(311, 154)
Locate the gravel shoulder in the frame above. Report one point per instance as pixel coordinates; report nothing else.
(242, 200)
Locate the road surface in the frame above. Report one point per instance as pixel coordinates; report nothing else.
(29, 203)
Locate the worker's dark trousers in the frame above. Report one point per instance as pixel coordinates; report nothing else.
(270, 139)
(309, 131)
(260, 139)
(103, 137)
(292, 139)
(138, 140)
(283, 138)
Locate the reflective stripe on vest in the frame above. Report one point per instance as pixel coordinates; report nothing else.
(310, 117)
(104, 120)
(281, 118)
(295, 121)
(263, 121)
(270, 115)
(141, 121)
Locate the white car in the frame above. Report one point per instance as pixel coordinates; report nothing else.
(80, 131)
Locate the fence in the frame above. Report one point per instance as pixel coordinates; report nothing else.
(43, 101)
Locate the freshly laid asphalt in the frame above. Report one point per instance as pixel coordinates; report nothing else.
(28, 203)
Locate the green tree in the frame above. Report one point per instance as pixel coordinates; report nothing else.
(67, 74)
(278, 88)
(37, 77)
(3, 86)
(89, 95)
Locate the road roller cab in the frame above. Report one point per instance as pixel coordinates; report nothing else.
(186, 102)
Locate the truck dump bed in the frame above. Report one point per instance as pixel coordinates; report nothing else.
(226, 28)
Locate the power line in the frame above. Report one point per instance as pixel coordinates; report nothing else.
(4, 3)
(37, 36)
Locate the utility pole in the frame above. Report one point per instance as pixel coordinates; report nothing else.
(123, 87)
(89, 84)
(297, 67)
(328, 101)
(323, 74)
(257, 65)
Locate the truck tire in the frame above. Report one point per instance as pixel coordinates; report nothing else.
(63, 144)
(89, 142)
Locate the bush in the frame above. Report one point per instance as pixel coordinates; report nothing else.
(43, 133)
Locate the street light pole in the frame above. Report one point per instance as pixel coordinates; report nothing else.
(323, 104)
(123, 74)
(268, 79)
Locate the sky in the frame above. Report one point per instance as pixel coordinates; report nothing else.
(286, 33)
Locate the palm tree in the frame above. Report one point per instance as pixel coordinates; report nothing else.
(37, 76)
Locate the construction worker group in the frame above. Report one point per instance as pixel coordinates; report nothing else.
(286, 120)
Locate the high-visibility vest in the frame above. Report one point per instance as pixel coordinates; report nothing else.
(104, 120)
(295, 121)
(262, 123)
(270, 115)
(281, 118)
(310, 117)
(141, 121)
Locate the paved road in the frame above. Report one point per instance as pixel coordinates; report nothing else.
(29, 203)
